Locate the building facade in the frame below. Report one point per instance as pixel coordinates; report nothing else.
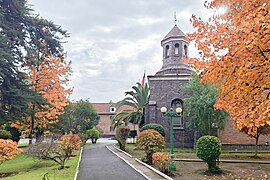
(105, 112)
(165, 87)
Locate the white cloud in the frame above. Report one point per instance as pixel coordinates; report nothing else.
(113, 42)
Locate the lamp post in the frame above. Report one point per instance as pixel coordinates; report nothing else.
(171, 114)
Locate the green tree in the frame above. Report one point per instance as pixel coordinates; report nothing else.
(78, 117)
(200, 107)
(138, 98)
(92, 134)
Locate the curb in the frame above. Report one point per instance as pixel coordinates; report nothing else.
(129, 164)
(77, 169)
(153, 169)
(123, 152)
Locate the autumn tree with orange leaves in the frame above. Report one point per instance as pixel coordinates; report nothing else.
(49, 78)
(235, 52)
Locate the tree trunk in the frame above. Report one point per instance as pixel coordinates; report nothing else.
(256, 146)
(32, 126)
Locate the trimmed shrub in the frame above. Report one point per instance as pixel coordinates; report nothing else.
(93, 134)
(8, 150)
(150, 141)
(121, 136)
(208, 148)
(162, 161)
(158, 127)
(4, 134)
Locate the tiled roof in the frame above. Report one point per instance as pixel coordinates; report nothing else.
(175, 32)
(104, 108)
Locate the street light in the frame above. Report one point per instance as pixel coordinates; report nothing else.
(171, 114)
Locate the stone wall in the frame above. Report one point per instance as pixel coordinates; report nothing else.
(162, 94)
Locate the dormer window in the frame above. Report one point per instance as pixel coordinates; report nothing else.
(112, 109)
(176, 49)
(167, 52)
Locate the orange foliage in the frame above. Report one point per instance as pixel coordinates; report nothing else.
(8, 150)
(162, 161)
(69, 143)
(49, 79)
(235, 54)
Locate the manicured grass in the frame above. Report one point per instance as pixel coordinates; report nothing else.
(25, 167)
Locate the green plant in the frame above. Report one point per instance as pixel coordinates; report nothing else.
(150, 141)
(208, 149)
(121, 136)
(4, 134)
(162, 161)
(158, 127)
(93, 134)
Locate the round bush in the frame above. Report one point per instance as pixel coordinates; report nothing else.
(150, 141)
(158, 127)
(162, 161)
(93, 134)
(208, 148)
(4, 134)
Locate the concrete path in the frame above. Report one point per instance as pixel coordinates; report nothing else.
(149, 173)
(98, 163)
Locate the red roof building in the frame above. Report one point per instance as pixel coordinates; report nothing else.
(105, 112)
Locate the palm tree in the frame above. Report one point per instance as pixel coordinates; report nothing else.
(138, 98)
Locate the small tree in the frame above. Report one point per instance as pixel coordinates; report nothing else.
(158, 127)
(121, 136)
(208, 149)
(93, 134)
(200, 107)
(8, 150)
(69, 144)
(150, 141)
(56, 150)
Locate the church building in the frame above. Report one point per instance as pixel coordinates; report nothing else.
(165, 88)
(165, 92)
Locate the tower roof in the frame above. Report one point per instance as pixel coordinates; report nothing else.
(175, 32)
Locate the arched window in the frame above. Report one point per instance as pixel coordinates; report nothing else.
(185, 51)
(178, 121)
(176, 49)
(167, 52)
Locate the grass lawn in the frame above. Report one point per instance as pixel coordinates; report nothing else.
(197, 170)
(24, 167)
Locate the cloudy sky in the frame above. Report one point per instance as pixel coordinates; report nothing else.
(112, 42)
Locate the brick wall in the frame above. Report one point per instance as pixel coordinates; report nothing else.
(231, 135)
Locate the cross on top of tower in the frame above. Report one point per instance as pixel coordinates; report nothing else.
(175, 19)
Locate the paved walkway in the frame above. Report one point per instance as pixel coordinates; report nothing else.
(98, 163)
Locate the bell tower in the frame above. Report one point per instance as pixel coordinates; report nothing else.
(175, 47)
(165, 87)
